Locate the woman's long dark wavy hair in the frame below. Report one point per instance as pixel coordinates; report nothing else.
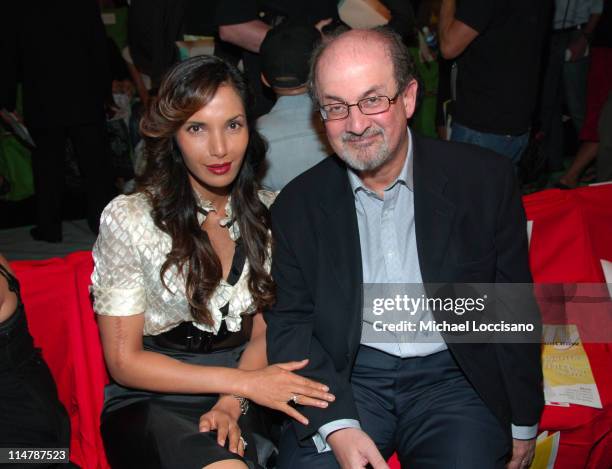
(187, 87)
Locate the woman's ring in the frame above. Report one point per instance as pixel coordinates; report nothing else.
(294, 398)
(244, 443)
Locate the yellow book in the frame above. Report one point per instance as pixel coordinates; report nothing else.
(546, 451)
(567, 373)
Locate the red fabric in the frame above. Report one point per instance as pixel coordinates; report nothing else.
(572, 231)
(561, 248)
(61, 320)
(599, 85)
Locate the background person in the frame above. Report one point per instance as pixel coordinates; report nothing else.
(31, 414)
(293, 130)
(498, 69)
(566, 64)
(600, 87)
(245, 23)
(65, 92)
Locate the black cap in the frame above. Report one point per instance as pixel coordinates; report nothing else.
(285, 53)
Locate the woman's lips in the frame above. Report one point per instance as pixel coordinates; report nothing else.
(219, 169)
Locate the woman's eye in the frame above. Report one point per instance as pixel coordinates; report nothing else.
(234, 125)
(194, 128)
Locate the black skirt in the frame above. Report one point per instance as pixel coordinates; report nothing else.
(154, 430)
(161, 431)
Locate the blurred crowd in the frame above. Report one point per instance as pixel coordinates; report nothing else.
(530, 80)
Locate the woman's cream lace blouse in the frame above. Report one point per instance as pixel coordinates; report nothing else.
(128, 256)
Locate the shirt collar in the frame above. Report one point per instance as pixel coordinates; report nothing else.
(205, 206)
(405, 176)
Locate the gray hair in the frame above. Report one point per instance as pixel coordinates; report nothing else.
(403, 66)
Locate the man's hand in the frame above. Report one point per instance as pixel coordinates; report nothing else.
(15, 114)
(322, 23)
(578, 48)
(354, 449)
(522, 454)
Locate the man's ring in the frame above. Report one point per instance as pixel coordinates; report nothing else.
(294, 398)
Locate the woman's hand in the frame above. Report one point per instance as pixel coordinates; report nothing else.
(223, 417)
(275, 386)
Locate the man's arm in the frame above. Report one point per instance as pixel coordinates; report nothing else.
(290, 324)
(520, 363)
(454, 35)
(247, 35)
(239, 24)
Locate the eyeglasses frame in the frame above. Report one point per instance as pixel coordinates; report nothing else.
(349, 106)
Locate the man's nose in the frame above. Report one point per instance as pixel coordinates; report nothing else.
(357, 122)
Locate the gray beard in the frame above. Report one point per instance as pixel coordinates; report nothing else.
(352, 158)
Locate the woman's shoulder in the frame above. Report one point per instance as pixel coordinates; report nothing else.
(126, 210)
(267, 197)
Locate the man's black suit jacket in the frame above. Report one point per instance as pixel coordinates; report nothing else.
(470, 227)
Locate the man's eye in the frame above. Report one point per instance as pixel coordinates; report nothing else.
(335, 108)
(372, 101)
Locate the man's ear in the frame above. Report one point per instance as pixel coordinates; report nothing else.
(264, 81)
(409, 97)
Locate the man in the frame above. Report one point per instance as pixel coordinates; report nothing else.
(396, 208)
(592, 139)
(295, 135)
(60, 56)
(153, 28)
(564, 85)
(498, 69)
(245, 23)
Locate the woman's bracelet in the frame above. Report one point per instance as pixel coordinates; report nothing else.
(244, 404)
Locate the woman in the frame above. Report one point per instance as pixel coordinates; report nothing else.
(181, 275)
(30, 412)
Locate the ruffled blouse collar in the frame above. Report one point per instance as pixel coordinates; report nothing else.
(206, 206)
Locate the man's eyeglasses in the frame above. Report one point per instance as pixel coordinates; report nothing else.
(368, 106)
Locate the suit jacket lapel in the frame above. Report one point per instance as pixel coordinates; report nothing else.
(433, 212)
(341, 232)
